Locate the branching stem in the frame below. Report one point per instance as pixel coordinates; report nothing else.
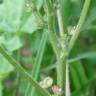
(79, 25)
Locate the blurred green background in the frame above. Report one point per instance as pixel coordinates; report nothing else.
(21, 31)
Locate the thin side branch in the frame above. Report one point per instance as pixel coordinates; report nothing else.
(79, 25)
(60, 23)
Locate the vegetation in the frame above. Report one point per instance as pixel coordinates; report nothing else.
(47, 47)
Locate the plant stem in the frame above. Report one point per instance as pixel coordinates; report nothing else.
(79, 25)
(59, 17)
(60, 23)
(21, 70)
(61, 61)
(67, 89)
(17, 80)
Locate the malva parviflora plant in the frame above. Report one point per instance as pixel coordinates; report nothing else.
(61, 42)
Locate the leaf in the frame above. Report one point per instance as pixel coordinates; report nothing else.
(1, 39)
(5, 68)
(38, 3)
(31, 25)
(35, 40)
(75, 7)
(11, 17)
(55, 43)
(87, 55)
(91, 19)
(12, 14)
(2, 18)
(11, 42)
(75, 78)
(65, 5)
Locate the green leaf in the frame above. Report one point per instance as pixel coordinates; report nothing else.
(2, 18)
(11, 42)
(38, 3)
(65, 5)
(31, 25)
(75, 78)
(55, 43)
(13, 12)
(11, 17)
(91, 20)
(87, 55)
(1, 39)
(5, 68)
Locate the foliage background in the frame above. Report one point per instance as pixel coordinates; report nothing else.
(21, 31)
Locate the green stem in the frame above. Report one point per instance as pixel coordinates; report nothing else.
(61, 61)
(20, 69)
(36, 68)
(60, 21)
(67, 86)
(79, 25)
(17, 80)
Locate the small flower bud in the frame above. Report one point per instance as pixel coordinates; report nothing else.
(71, 30)
(57, 90)
(47, 82)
